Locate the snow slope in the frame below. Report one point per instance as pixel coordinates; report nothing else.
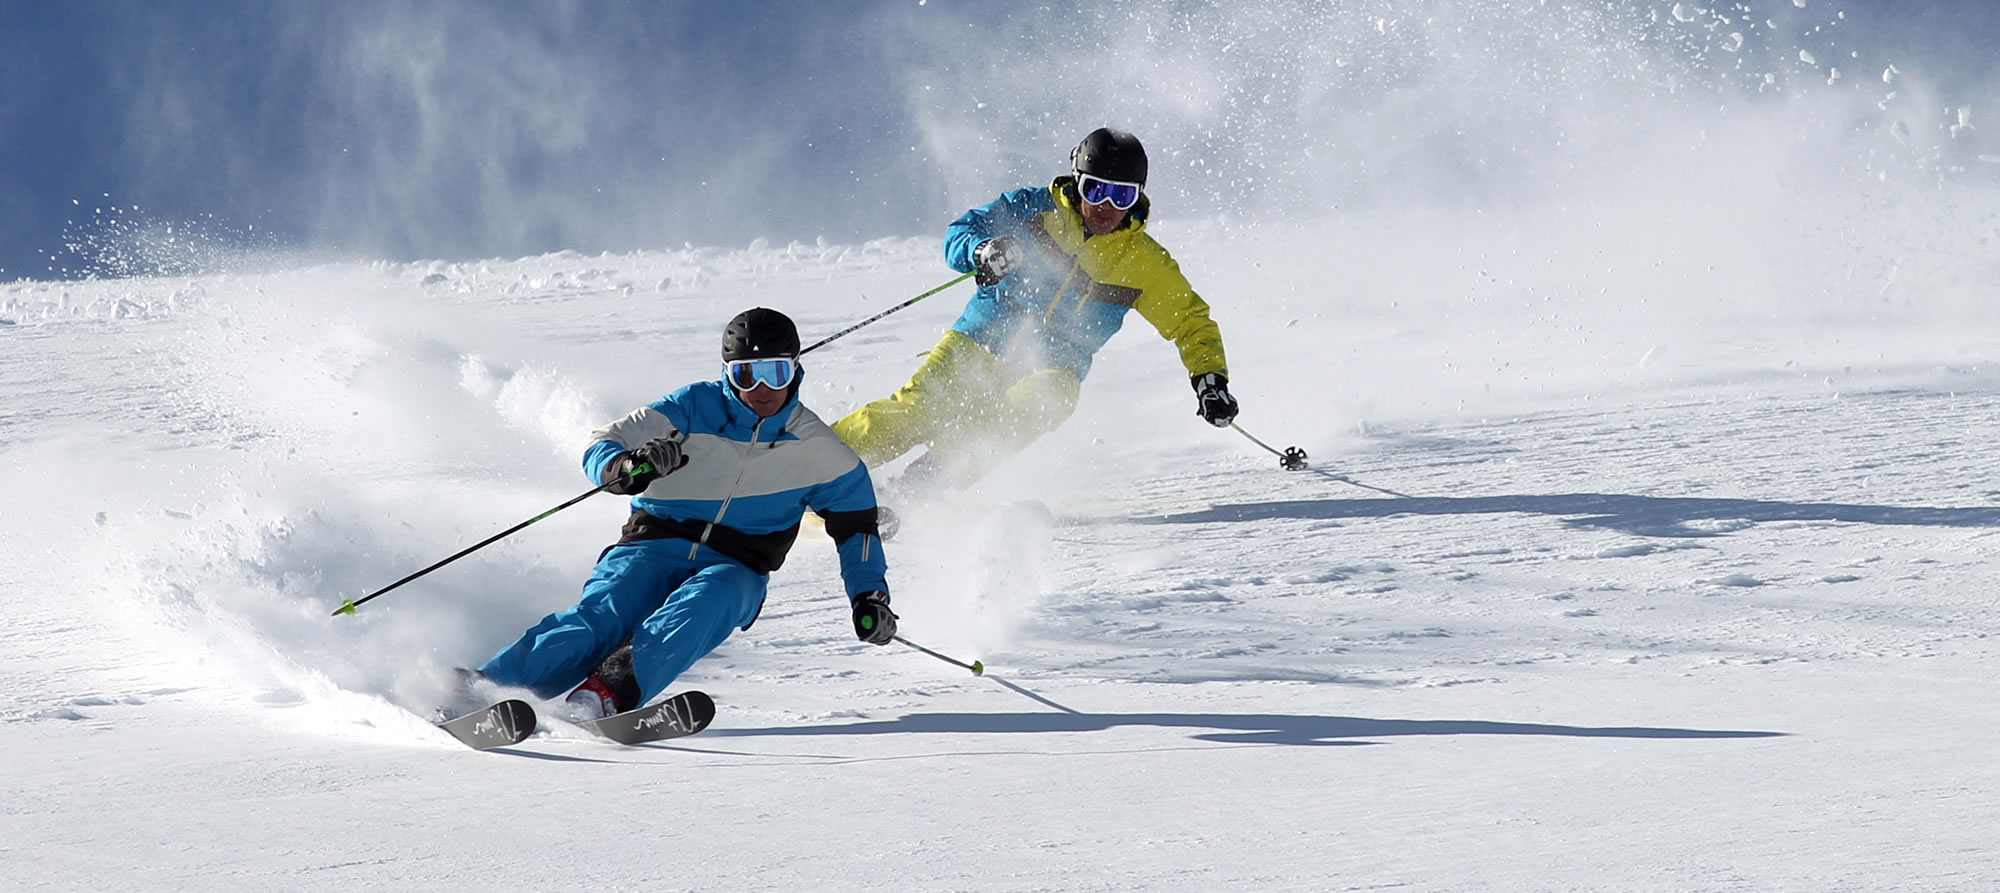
(1648, 542)
(1713, 615)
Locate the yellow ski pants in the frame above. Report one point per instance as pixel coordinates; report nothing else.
(967, 406)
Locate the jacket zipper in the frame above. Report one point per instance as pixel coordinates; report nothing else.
(749, 453)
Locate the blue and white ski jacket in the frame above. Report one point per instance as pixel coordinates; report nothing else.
(747, 483)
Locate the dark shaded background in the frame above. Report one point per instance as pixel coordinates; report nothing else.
(459, 129)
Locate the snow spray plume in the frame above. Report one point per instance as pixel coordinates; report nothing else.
(122, 242)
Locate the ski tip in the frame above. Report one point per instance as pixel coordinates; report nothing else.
(346, 607)
(978, 668)
(524, 720)
(501, 725)
(700, 707)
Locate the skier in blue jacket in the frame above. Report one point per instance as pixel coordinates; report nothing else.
(720, 474)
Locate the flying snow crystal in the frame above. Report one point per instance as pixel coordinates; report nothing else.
(1806, 56)
(1964, 120)
(1890, 74)
(1734, 42)
(1833, 74)
(1799, 3)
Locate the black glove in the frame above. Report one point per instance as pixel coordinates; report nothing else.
(663, 456)
(1212, 392)
(874, 623)
(995, 258)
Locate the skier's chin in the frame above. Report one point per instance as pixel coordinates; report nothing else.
(763, 400)
(1101, 222)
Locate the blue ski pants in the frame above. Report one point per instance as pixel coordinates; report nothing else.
(675, 609)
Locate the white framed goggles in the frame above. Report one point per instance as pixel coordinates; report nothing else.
(776, 372)
(1097, 191)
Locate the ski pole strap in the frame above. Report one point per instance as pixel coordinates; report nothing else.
(823, 341)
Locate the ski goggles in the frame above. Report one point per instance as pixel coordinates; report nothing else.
(777, 372)
(1121, 195)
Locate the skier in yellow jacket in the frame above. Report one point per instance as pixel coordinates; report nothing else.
(1058, 267)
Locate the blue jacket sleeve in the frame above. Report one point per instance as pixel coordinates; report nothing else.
(1007, 215)
(863, 568)
(596, 457)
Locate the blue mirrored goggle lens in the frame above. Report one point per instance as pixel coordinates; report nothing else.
(1121, 195)
(747, 374)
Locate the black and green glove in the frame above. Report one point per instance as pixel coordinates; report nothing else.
(874, 623)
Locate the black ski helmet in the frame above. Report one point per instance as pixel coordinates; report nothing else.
(759, 333)
(1110, 155)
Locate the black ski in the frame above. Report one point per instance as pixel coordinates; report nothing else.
(508, 722)
(681, 715)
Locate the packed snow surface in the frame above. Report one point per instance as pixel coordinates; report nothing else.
(1701, 603)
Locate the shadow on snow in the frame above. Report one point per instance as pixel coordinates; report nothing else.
(1641, 515)
(1226, 727)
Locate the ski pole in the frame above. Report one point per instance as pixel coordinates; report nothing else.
(347, 606)
(977, 668)
(823, 341)
(1292, 459)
